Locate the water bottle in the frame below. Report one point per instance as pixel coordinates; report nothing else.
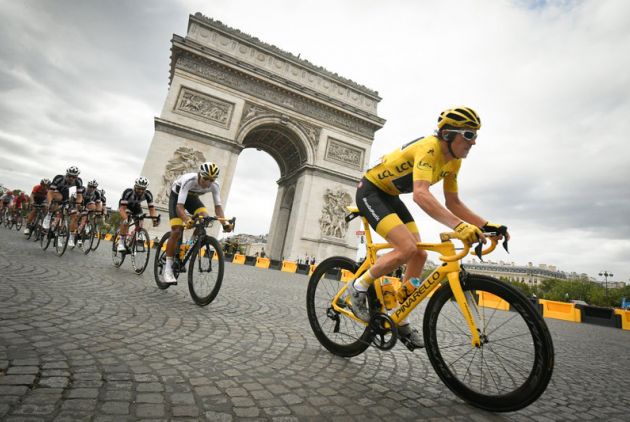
(388, 291)
(407, 288)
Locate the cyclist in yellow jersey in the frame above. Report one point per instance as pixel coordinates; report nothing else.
(413, 168)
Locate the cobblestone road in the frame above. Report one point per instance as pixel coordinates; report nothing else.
(82, 340)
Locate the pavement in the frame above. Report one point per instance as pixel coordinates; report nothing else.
(81, 340)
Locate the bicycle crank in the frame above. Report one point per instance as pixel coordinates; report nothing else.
(384, 331)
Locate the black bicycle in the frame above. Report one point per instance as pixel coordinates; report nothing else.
(86, 231)
(205, 272)
(137, 244)
(59, 231)
(35, 228)
(98, 235)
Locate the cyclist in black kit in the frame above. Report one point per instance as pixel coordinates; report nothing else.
(130, 204)
(59, 191)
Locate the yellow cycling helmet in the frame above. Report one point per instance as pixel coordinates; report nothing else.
(462, 117)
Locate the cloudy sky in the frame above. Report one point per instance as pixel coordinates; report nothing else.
(81, 82)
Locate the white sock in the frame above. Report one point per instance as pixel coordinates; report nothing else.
(364, 282)
(169, 262)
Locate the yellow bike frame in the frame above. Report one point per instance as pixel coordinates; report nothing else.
(448, 272)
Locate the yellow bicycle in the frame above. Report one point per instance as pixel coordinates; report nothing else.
(484, 338)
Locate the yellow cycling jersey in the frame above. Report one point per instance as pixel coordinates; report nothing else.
(421, 159)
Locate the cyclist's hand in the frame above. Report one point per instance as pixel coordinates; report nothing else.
(469, 233)
(227, 227)
(499, 229)
(189, 224)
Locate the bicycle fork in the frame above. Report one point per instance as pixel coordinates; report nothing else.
(460, 297)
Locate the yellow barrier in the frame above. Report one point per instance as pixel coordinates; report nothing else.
(108, 236)
(625, 318)
(263, 262)
(347, 275)
(311, 269)
(289, 266)
(488, 300)
(238, 259)
(560, 310)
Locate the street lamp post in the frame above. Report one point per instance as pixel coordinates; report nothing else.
(605, 274)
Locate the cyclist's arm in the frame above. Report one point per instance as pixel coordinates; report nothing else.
(148, 196)
(218, 211)
(458, 208)
(181, 200)
(429, 204)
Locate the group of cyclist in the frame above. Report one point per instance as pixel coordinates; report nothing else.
(184, 197)
(412, 168)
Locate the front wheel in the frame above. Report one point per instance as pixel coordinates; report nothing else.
(340, 334)
(140, 251)
(117, 257)
(84, 238)
(96, 240)
(62, 234)
(160, 262)
(18, 221)
(205, 273)
(514, 363)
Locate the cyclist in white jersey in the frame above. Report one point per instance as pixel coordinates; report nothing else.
(185, 197)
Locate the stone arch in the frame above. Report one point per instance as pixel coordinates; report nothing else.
(230, 91)
(284, 140)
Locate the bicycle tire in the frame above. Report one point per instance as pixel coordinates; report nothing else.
(85, 238)
(445, 347)
(141, 247)
(8, 221)
(37, 229)
(117, 257)
(31, 227)
(18, 222)
(96, 240)
(62, 235)
(201, 262)
(323, 286)
(160, 261)
(45, 239)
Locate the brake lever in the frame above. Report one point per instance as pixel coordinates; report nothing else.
(478, 250)
(505, 245)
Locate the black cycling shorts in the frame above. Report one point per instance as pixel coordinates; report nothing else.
(193, 205)
(383, 211)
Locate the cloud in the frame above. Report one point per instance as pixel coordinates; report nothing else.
(80, 83)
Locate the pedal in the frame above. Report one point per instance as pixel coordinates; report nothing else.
(409, 344)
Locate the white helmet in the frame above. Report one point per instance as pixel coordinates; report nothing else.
(72, 171)
(141, 182)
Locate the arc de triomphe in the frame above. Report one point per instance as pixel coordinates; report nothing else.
(230, 91)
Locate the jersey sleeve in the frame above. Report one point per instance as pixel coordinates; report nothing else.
(56, 182)
(183, 192)
(216, 195)
(79, 184)
(149, 197)
(450, 180)
(124, 199)
(425, 161)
